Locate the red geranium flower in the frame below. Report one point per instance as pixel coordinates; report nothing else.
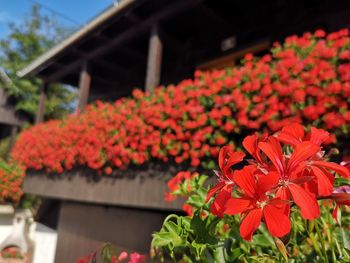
(227, 158)
(266, 186)
(289, 177)
(322, 181)
(255, 204)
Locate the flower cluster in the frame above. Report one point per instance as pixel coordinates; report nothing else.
(183, 184)
(287, 168)
(11, 178)
(11, 253)
(305, 80)
(179, 185)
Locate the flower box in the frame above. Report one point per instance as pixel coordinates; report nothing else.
(142, 187)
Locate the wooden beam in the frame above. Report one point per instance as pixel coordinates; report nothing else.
(8, 113)
(9, 116)
(173, 43)
(229, 60)
(128, 51)
(111, 95)
(133, 18)
(133, 54)
(213, 15)
(84, 87)
(154, 59)
(125, 74)
(103, 63)
(172, 10)
(104, 81)
(39, 117)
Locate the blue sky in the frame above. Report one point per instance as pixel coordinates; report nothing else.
(81, 11)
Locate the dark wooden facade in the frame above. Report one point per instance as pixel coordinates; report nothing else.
(10, 120)
(83, 227)
(124, 209)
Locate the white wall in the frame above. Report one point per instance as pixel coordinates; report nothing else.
(45, 239)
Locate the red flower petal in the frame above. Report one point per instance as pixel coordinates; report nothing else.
(318, 136)
(302, 152)
(292, 134)
(250, 143)
(335, 213)
(307, 203)
(219, 204)
(283, 194)
(273, 150)
(224, 151)
(250, 223)
(228, 158)
(212, 191)
(324, 185)
(267, 182)
(334, 167)
(245, 180)
(238, 205)
(234, 158)
(276, 221)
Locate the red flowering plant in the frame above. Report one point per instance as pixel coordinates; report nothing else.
(110, 254)
(11, 253)
(306, 80)
(183, 184)
(11, 178)
(281, 184)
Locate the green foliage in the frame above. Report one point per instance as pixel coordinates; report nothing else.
(25, 42)
(107, 252)
(206, 238)
(11, 178)
(30, 201)
(4, 147)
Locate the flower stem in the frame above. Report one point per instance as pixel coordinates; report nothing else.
(320, 236)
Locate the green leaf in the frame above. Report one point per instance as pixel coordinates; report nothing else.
(345, 237)
(202, 179)
(196, 201)
(162, 239)
(234, 254)
(171, 227)
(185, 222)
(261, 240)
(267, 237)
(219, 254)
(199, 248)
(204, 227)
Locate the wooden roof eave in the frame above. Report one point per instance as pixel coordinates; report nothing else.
(47, 58)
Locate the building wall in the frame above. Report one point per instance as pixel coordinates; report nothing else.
(5, 226)
(83, 228)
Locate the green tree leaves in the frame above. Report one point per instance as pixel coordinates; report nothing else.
(25, 42)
